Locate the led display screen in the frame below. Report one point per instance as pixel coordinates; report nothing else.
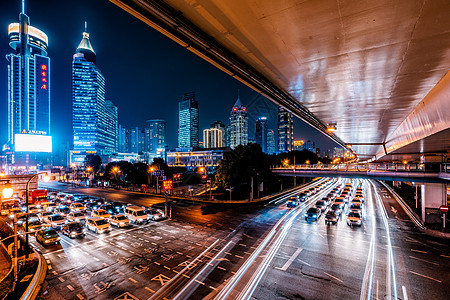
(32, 143)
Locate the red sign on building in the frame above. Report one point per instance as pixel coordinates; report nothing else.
(168, 185)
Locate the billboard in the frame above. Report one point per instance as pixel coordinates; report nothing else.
(32, 143)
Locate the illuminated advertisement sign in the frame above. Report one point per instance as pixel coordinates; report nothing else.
(33, 31)
(32, 143)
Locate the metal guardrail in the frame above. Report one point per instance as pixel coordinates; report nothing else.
(368, 167)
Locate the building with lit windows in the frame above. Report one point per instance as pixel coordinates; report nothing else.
(29, 139)
(299, 145)
(123, 139)
(188, 121)
(238, 125)
(213, 138)
(94, 118)
(137, 140)
(155, 138)
(285, 130)
(271, 146)
(310, 146)
(191, 159)
(261, 133)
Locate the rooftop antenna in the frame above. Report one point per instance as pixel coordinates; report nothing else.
(85, 26)
(23, 6)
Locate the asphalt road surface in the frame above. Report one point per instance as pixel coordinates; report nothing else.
(266, 252)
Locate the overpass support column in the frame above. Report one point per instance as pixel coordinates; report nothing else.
(433, 196)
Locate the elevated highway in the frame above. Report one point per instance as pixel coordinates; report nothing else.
(376, 69)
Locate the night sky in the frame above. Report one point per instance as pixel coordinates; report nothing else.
(146, 73)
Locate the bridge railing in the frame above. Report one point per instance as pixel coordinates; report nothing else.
(397, 167)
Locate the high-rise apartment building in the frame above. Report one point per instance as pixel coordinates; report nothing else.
(238, 125)
(137, 140)
(28, 94)
(155, 137)
(261, 133)
(188, 121)
(94, 118)
(271, 146)
(285, 130)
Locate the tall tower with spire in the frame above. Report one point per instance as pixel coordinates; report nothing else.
(238, 132)
(94, 117)
(28, 92)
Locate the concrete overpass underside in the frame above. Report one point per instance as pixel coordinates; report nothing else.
(377, 68)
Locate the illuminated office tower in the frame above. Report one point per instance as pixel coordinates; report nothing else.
(238, 125)
(271, 146)
(261, 133)
(285, 130)
(95, 129)
(28, 95)
(155, 137)
(188, 121)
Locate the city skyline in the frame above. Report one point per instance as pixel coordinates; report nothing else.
(145, 82)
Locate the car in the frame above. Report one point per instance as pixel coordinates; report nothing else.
(340, 201)
(98, 225)
(77, 217)
(62, 210)
(292, 202)
(109, 208)
(336, 207)
(322, 205)
(55, 221)
(52, 195)
(47, 237)
(77, 206)
(50, 207)
(35, 225)
(32, 208)
(73, 230)
(118, 207)
(43, 215)
(331, 217)
(100, 213)
(354, 218)
(313, 214)
(156, 214)
(119, 220)
(302, 197)
(355, 207)
(136, 214)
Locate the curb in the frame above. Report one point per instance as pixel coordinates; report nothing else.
(38, 278)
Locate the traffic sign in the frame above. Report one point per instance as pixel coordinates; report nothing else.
(444, 208)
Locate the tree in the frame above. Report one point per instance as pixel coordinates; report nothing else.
(141, 173)
(93, 161)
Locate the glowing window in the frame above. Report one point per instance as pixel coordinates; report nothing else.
(44, 79)
(44, 74)
(44, 87)
(44, 67)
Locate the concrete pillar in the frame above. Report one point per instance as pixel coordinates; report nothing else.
(433, 196)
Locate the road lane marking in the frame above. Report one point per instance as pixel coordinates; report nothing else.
(242, 245)
(55, 273)
(238, 256)
(418, 274)
(150, 290)
(156, 263)
(291, 259)
(70, 287)
(427, 261)
(95, 258)
(166, 267)
(120, 272)
(334, 277)
(405, 295)
(304, 262)
(221, 268)
(132, 280)
(420, 251)
(445, 256)
(199, 282)
(80, 297)
(49, 267)
(61, 279)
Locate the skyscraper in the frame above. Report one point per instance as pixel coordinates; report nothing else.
(123, 139)
(261, 133)
(137, 140)
(238, 125)
(94, 118)
(188, 121)
(212, 138)
(285, 130)
(271, 147)
(155, 137)
(219, 125)
(28, 91)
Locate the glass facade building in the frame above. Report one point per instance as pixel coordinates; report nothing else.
(28, 90)
(188, 121)
(285, 130)
(95, 128)
(261, 133)
(155, 137)
(271, 146)
(238, 125)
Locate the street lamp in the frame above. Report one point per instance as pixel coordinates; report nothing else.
(7, 191)
(46, 179)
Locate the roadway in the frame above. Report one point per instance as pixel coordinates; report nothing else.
(267, 252)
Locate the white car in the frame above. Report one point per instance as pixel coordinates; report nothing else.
(77, 217)
(56, 221)
(119, 220)
(136, 214)
(354, 218)
(98, 225)
(155, 214)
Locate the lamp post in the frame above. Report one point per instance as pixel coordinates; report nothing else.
(46, 179)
